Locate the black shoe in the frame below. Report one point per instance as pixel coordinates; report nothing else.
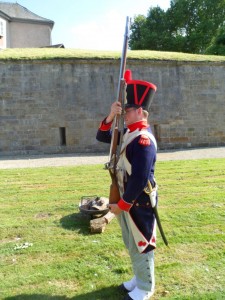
(123, 289)
(127, 297)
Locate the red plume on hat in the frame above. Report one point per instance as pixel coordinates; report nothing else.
(139, 93)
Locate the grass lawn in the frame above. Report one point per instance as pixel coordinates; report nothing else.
(62, 260)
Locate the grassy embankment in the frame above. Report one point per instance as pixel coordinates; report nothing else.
(54, 53)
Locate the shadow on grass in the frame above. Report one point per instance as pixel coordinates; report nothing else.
(78, 222)
(110, 293)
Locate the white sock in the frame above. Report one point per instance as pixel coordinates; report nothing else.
(138, 294)
(131, 284)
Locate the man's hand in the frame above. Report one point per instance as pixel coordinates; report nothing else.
(116, 109)
(114, 208)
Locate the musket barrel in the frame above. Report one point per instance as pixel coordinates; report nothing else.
(124, 54)
(113, 148)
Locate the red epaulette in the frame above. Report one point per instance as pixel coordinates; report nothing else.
(144, 140)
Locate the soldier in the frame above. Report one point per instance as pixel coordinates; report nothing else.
(136, 167)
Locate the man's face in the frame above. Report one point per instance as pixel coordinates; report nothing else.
(132, 115)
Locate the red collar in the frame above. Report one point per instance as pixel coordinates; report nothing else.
(138, 125)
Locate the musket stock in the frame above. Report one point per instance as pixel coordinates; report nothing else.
(114, 193)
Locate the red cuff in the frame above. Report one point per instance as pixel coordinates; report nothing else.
(124, 205)
(105, 127)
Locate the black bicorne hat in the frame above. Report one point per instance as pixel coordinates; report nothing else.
(139, 93)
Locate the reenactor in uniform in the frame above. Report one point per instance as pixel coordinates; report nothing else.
(136, 168)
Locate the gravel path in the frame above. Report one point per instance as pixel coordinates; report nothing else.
(35, 161)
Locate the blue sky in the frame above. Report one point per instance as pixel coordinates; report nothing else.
(90, 24)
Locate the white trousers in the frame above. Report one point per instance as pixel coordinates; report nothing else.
(142, 263)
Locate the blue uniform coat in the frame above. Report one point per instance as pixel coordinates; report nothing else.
(141, 154)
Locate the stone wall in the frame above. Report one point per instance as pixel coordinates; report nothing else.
(56, 106)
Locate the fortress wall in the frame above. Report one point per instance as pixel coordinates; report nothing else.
(56, 106)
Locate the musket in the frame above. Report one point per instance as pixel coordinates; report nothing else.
(152, 196)
(118, 123)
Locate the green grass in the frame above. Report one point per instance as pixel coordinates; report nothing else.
(54, 53)
(64, 261)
